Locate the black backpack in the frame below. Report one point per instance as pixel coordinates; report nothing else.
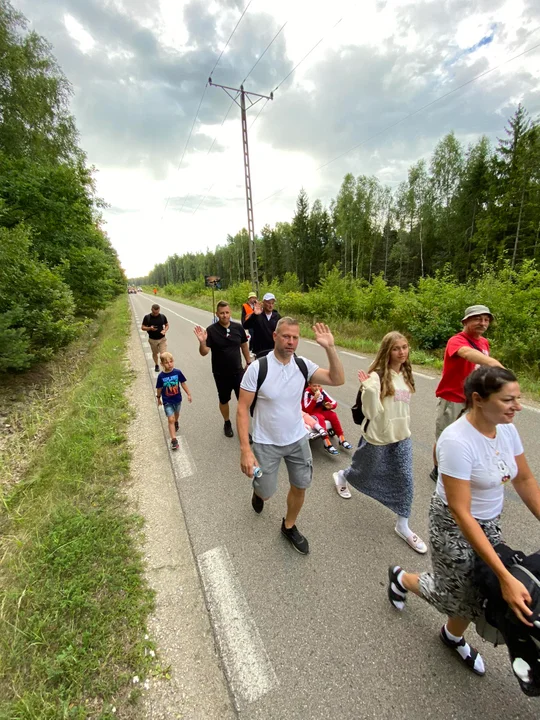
(357, 412)
(263, 371)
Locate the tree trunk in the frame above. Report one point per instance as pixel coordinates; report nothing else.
(387, 241)
(514, 255)
(421, 251)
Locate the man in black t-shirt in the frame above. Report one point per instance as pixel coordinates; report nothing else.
(225, 339)
(263, 321)
(156, 325)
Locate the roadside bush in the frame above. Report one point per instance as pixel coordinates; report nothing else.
(375, 301)
(38, 307)
(428, 313)
(431, 312)
(237, 294)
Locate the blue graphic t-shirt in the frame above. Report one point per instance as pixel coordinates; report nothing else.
(170, 384)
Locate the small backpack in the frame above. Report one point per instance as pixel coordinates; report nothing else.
(357, 412)
(263, 371)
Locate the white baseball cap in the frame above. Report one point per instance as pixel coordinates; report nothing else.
(269, 296)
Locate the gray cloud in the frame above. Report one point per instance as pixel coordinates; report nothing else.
(359, 91)
(135, 99)
(188, 203)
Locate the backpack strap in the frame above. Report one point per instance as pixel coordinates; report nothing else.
(261, 377)
(263, 372)
(472, 344)
(303, 369)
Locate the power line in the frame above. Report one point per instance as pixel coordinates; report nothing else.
(410, 115)
(308, 54)
(230, 36)
(201, 100)
(276, 88)
(264, 51)
(319, 41)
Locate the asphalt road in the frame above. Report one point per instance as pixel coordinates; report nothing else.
(315, 637)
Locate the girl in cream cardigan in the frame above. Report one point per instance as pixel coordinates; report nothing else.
(382, 464)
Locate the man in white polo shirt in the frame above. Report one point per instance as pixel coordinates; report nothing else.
(278, 427)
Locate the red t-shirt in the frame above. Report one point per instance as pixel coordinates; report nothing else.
(456, 369)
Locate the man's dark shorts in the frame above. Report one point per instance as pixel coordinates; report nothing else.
(227, 384)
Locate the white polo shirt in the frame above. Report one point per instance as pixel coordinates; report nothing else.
(277, 419)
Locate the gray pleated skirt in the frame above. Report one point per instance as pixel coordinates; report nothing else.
(384, 472)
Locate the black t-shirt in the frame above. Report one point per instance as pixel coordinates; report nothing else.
(225, 346)
(159, 321)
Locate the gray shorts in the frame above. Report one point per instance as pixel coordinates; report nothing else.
(297, 458)
(447, 413)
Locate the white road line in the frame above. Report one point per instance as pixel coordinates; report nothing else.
(248, 667)
(182, 459)
(532, 409)
(312, 343)
(178, 315)
(354, 355)
(428, 377)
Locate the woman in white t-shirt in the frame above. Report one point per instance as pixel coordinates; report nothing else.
(477, 455)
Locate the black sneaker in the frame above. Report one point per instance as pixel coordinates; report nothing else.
(227, 429)
(174, 444)
(434, 474)
(176, 425)
(257, 503)
(156, 368)
(295, 537)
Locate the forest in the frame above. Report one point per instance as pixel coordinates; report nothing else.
(468, 209)
(57, 265)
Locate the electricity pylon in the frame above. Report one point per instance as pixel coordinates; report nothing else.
(243, 94)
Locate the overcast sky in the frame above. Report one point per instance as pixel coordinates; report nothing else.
(139, 69)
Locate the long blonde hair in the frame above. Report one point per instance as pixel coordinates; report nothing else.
(381, 365)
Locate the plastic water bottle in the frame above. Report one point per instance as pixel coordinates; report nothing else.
(257, 472)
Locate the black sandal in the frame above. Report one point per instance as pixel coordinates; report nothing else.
(393, 582)
(470, 659)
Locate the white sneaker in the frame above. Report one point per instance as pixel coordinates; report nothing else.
(341, 485)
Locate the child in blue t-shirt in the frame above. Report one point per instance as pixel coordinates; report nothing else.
(169, 394)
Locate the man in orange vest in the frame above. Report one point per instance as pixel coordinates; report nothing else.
(247, 310)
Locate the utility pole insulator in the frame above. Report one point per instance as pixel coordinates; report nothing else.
(240, 92)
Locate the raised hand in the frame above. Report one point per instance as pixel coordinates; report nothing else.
(363, 376)
(200, 333)
(258, 308)
(323, 336)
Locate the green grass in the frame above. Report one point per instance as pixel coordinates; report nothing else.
(74, 600)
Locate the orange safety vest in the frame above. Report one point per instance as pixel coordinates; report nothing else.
(247, 307)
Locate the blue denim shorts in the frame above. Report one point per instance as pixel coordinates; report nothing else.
(171, 409)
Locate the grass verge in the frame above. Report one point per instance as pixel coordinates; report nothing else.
(357, 336)
(74, 600)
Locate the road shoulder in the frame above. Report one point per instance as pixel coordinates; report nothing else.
(180, 624)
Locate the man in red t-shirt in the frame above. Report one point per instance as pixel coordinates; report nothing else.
(464, 353)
